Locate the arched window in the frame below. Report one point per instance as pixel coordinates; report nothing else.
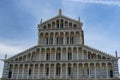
(10, 74)
(71, 40)
(69, 56)
(47, 71)
(57, 40)
(58, 56)
(47, 40)
(67, 40)
(48, 56)
(69, 71)
(88, 71)
(51, 40)
(30, 71)
(58, 70)
(89, 56)
(61, 40)
(111, 73)
(44, 27)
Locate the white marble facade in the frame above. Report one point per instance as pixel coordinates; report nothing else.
(61, 54)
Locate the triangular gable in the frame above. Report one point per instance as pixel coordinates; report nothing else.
(59, 16)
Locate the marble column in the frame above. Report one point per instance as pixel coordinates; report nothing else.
(72, 53)
(83, 73)
(82, 54)
(77, 71)
(38, 71)
(72, 70)
(89, 70)
(50, 55)
(45, 55)
(95, 70)
(40, 55)
(13, 71)
(23, 68)
(55, 53)
(107, 70)
(77, 54)
(66, 54)
(43, 70)
(61, 53)
(33, 71)
(49, 70)
(64, 38)
(66, 71)
(54, 71)
(69, 37)
(18, 71)
(28, 71)
(54, 38)
(61, 72)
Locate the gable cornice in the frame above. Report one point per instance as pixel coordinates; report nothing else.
(59, 16)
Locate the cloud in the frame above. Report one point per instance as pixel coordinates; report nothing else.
(104, 2)
(9, 50)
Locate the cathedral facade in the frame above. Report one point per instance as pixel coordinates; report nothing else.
(61, 54)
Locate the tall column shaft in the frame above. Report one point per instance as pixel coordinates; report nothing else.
(54, 71)
(18, 71)
(83, 73)
(48, 38)
(49, 70)
(55, 54)
(77, 55)
(40, 55)
(66, 71)
(61, 72)
(28, 71)
(82, 54)
(77, 71)
(23, 71)
(72, 70)
(61, 53)
(89, 70)
(33, 71)
(38, 71)
(72, 54)
(64, 38)
(50, 55)
(45, 55)
(69, 37)
(43, 70)
(95, 70)
(13, 71)
(106, 70)
(66, 54)
(53, 38)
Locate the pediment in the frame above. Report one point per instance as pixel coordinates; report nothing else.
(58, 17)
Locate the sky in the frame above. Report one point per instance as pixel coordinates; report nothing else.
(19, 20)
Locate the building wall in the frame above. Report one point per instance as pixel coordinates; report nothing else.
(83, 64)
(78, 70)
(61, 54)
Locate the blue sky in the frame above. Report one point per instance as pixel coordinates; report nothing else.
(19, 20)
